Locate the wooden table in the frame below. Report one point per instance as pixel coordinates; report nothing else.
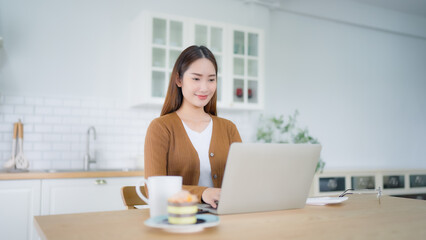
(360, 217)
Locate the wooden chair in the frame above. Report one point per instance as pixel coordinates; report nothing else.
(131, 198)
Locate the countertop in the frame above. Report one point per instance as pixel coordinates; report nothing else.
(70, 173)
(360, 217)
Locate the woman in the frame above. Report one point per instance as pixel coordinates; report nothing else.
(188, 139)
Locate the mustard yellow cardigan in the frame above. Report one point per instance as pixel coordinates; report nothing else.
(169, 151)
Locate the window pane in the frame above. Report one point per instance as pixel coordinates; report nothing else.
(252, 68)
(176, 34)
(219, 62)
(158, 84)
(201, 35)
(219, 88)
(238, 42)
(239, 66)
(216, 39)
(173, 55)
(252, 92)
(159, 31)
(252, 44)
(158, 57)
(238, 92)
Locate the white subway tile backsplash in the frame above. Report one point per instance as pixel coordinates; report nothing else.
(26, 110)
(42, 146)
(33, 137)
(42, 110)
(90, 104)
(51, 155)
(61, 146)
(56, 130)
(60, 164)
(38, 101)
(71, 120)
(33, 155)
(11, 118)
(61, 129)
(40, 164)
(62, 111)
(6, 109)
(72, 103)
(105, 122)
(26, 146)
(70, 138)
(51, 137)
(5, 146)
(97, 112)
(43, 128)
(34, 119)
(79, 112)
(13, 100)
(52, 120)
(77, 164)
(77, 147)
(71, 156)
(107, 104)
(53, 102)
(6, 127)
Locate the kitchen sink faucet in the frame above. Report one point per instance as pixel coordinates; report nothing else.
(87, 158)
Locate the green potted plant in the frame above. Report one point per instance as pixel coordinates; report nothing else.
(279, 130)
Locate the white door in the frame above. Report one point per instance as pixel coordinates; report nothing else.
(61, 196)
(19, 203)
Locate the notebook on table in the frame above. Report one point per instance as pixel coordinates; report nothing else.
(266, 177)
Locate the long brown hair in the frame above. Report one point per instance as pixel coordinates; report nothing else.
(174, 97)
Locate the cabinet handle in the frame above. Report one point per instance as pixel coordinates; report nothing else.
(100, 182)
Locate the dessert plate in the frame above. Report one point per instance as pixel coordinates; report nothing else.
(319, 201)
(203, 221)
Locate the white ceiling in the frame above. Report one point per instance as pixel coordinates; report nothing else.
(415, 7)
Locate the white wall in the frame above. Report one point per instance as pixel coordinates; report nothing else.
(64, 67)
(360, 90)
(356, 73)
(80, 48)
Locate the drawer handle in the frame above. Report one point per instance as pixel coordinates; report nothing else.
(100, 182)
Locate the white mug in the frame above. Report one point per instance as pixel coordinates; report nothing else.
(160, 188)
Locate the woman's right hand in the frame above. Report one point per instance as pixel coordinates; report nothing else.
(210, 196)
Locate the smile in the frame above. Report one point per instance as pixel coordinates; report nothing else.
(202, 97)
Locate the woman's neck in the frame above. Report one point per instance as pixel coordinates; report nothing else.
(186, 112)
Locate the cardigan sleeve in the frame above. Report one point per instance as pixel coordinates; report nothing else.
(234, 134)
(156, 149)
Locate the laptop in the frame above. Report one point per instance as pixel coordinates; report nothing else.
(266, 177)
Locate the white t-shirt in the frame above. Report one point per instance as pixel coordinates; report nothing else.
(201, 143)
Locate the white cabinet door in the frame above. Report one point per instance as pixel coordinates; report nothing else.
(159, 39)
(19, 203)
(62, 196)
(213, 36)
(247, 68)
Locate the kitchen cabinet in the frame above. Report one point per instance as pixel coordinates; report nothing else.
(247, 70)
(158, 39)
(61, 196)
(19, 202)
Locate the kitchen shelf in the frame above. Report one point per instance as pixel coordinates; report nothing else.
(158, 40)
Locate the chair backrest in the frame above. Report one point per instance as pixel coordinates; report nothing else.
(131, 198)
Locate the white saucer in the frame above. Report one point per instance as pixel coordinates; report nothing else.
(203, 221)
(319, 201)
